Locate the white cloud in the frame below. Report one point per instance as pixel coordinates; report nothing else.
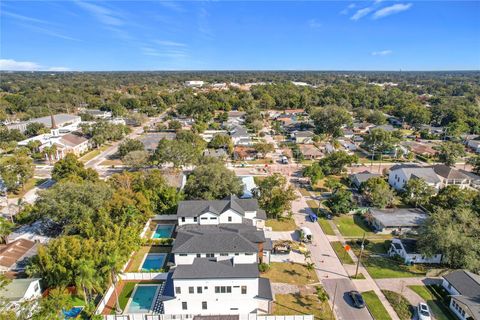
(396, 8)
(360, 14)
(314, 24)
(348, 8)
(170, 43)
(23, 18)
(382, 53)
(13, 65)
(104, 15)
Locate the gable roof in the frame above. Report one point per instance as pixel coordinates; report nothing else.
(16, 289)
(72, 140)
(204, 268)
(362, 177)
(449, 173)
(13, 252)
(223, 238)
(194, 208)
(465, 282)
(425, 173)
(264, 289)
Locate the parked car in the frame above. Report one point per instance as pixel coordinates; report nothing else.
(357, 299)
(423, 312)
(305, 234)
(284, 160)
(313, 217)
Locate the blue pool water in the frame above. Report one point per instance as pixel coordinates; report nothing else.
(72, 313)
(142, 299)
(153, 261)
(163, 231)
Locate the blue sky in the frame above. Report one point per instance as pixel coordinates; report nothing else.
(232, 35)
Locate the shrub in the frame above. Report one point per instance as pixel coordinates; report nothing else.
(263, 267)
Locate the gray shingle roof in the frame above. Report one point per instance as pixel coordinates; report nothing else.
(194, 208)
(473, 304)
(264, 289)
(465, 282)
(449, 173)
(399, 217)
(425, 173)
(223, 238)
(203, 268)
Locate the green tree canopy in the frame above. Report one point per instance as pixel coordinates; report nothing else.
(71, 168)
(449, 152)
(130, 145)
(340, 202)
(275, 196)
(378, 192)
(329, 120)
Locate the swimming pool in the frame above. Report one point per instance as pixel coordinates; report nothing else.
(163, 231)
(153, 261)
(142, 298)
(72, 313)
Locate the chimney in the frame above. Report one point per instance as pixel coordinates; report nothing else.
(52, 120)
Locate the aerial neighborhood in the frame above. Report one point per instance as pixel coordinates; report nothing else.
(240, 195)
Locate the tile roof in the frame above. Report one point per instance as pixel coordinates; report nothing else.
(12, 253)
(204, 268)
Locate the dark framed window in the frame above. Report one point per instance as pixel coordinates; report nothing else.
(244, 289)
(178, 290)
(191, 290)
(184, 305)
(204, 305)
(183, 220)
(229, 219)
(199, 289)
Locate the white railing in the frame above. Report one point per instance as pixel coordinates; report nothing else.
(144, 276)
(144, 231)
(165, 217)
(251, 316)
(104, 301)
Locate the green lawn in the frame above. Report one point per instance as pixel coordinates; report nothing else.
(304, 192)
(30, 184)
(401, 305)
(93, 153)
(281, 224)
(380, 267)
(375, 306)
(352, 225)
(293, 273)
(301, 304)
(326, 227)
(438, 308)
(341, 252)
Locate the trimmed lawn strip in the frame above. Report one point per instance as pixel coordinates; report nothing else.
(352, 226)
(379, 268)
(93, 153)
(375, 306)
(298, 303)
(342, 254)
(326, 227)
(438, 308)
(29, 185)
(401, 305)
(304, 192)
(284, 224)
(293, 273)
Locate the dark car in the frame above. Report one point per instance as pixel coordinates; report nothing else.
(357, 299)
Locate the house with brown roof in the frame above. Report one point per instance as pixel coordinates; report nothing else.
(14, 255)
(310, 152)
(244, 153)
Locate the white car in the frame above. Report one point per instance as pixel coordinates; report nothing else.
(423, 312)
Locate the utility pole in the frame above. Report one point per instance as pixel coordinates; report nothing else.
(360, 256)
(333, 303)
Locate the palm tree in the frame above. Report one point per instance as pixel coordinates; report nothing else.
(86, 278)
(111, 270)
(6, 227)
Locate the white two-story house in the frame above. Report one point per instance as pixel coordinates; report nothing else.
(399, 175)
(220, 287)
(214, 212)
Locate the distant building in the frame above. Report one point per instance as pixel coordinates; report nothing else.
(65, 122)
(303, 136)
(407, 249)
(358, 178)
(99, 114)
(396, 221)
(464, 289)
(310, 152)
(216, 153)
(474, 145)
(194, 83)
(151, 140)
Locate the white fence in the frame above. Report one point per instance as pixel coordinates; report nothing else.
(144, 276)
(104, 301)
(165, 217)
(251, 316)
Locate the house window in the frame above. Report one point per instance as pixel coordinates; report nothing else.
(204, 218)
(195, 219)
(36, 287)
(199, 289)
(237, 254)
(217, 289)
(213, 218)
(182, 254)
(184, 305)
(244, 289)
(191, 290)
(210, 255)
(178, 290)
(229, 219)
(204, 305)
(248, 254)
(198, 255)
(183, 220)
(224, 254)
(223, 289)
(229, 289)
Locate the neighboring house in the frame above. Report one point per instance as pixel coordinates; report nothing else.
(310, 152)
(242, 242)
(72, 143)
(151, 140)
(194, 83)
(474, 179)
(236, 117)
(14, 255)
(216, 153)
(249, 186)
(385, 127)
(20, 291)
(358, 178)
(361, 127)
(244, 153)
(208, 286)
(474, 145)
(407, 249)
(464, 289)
(214, 212)
(421, 148)
(240, 136)
(208, 135)
(399, 175)
(302, 136)
(348, 146)
(99, 114)
(451, 176)
(66, 122)
(396, 221)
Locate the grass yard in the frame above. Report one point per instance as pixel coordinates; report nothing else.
(137, 258)
(342, 254)
(380, 267)
(352, 226)
(304, 192)
(127, 291)
(284, 224)
(438, 308)
(293, 273)
(77, 301)
(326, 227)
(258, 179)
(298, 303)
(29, 185)
(375, 306)
(401, 305)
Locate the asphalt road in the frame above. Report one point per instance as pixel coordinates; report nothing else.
(343, 304)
